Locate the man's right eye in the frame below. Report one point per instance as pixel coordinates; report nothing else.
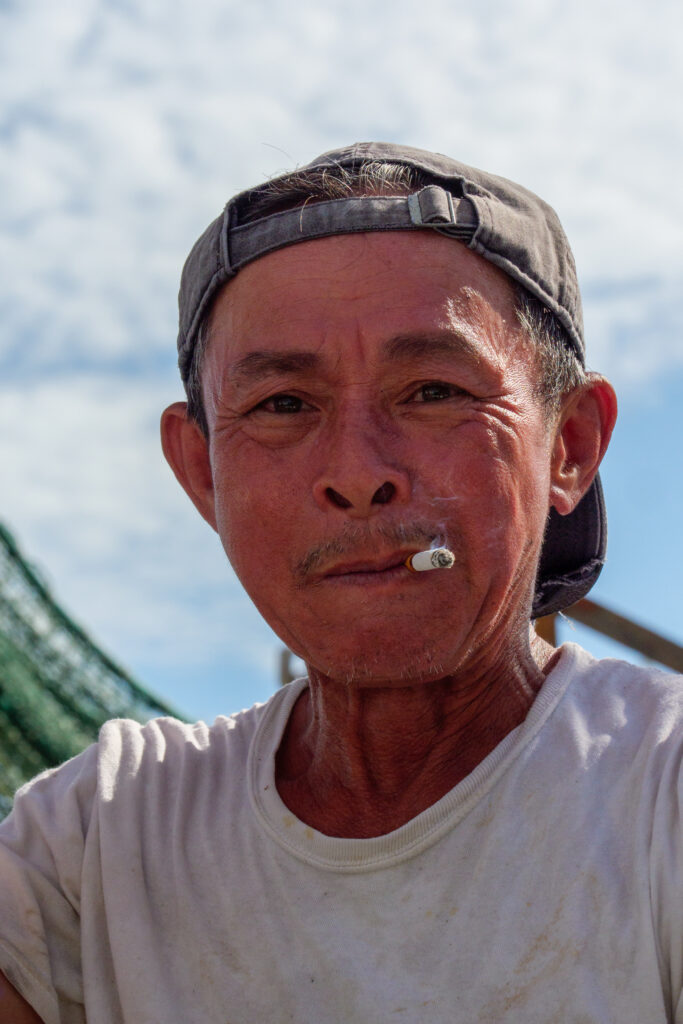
(283, 404)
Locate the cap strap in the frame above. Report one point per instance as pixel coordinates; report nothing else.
(432, 207)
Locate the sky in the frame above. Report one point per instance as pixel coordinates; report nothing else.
(126, 126)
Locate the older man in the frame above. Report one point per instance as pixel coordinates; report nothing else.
(448, 820)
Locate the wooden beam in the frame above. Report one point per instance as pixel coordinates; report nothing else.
(626, 632)
(545, 627)
(590, 614)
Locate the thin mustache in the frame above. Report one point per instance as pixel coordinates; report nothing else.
(356, 538)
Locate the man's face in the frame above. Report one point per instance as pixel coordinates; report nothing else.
(367, 395)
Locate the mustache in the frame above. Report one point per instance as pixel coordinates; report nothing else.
(361, 539)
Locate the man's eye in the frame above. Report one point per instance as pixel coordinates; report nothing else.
(436, 392)
(286, 404)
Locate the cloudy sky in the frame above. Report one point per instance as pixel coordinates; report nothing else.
(126, 124)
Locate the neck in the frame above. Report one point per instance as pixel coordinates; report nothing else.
(362, 761)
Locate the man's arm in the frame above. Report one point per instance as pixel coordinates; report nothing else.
(13, 1008)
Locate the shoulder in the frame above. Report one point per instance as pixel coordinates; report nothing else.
(627, 715)
(140, 761)
(165, 752)
(645, 690)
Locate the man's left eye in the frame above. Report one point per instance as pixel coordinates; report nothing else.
(435, 391)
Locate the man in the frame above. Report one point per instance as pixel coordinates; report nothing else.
(448, 820)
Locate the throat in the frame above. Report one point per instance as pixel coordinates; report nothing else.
(360, 765)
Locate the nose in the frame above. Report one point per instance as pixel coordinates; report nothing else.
(361, 467)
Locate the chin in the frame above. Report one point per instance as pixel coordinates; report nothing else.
(384, 664)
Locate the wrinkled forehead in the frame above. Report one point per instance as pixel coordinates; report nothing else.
(366, 290)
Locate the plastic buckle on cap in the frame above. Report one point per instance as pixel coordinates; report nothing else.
(431, 207)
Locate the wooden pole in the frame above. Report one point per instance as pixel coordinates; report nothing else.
(624, 631)
(286, 674)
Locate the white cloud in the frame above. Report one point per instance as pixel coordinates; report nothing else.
(634, 329)
(126, 126)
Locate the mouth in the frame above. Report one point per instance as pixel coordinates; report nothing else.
(369, 570)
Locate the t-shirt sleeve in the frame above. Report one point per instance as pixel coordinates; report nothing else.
(42, 843)
(666, 876)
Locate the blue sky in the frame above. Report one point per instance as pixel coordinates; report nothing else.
(126, 126)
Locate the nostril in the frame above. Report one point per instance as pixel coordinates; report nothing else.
(384, 494)
(337, 499)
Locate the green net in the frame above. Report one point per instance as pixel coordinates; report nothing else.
(56, 686)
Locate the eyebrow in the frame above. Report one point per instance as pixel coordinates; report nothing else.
(255, 365)
(447, 342)
(261, 363)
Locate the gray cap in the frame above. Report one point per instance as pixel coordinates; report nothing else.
(503, 222)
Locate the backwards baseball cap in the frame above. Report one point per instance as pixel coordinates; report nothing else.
(503, 222)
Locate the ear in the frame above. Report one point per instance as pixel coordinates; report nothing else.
(187, 453)
(583, 431)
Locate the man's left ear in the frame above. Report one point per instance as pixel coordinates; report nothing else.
(582, 434)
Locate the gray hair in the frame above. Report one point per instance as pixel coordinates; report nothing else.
(559, 369)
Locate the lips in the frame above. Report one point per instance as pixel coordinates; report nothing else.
(368, 565)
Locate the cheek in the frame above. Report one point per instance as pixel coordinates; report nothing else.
(258, 518)
(492, 488)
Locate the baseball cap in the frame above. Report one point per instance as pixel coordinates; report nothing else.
(505, 223)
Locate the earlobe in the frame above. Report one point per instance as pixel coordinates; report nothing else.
(187, 453)
(582, 435)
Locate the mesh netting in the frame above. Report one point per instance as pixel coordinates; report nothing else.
(56, 686)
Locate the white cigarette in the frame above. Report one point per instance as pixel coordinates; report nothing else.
(433, 558)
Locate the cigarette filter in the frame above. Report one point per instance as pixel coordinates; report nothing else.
(433, 558)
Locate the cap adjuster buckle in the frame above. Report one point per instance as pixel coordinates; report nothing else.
(432, 207)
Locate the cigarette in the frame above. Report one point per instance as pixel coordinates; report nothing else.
(432, 558)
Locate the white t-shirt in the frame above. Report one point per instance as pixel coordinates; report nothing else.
(159, 879)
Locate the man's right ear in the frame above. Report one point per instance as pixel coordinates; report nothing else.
(187, 453)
